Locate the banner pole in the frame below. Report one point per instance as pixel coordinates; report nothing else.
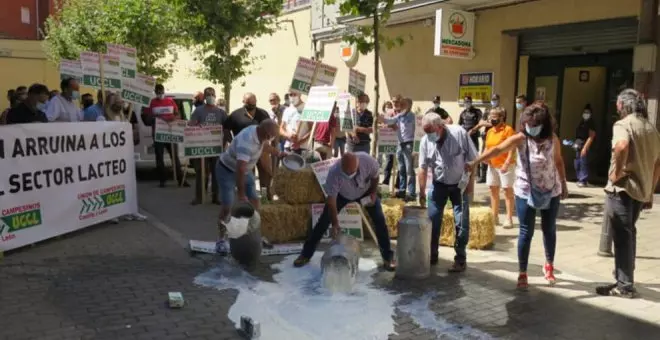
(202, 168)
(102, 80)
(311, 135)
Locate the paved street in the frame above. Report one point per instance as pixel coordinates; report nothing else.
(111, 282)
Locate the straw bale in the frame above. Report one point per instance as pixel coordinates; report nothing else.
(282, 223)
(297, 187)
(393, 210)
(482, 228)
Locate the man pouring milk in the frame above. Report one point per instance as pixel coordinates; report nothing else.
(234, 170)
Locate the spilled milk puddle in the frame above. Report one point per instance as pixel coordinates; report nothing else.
(296, 306)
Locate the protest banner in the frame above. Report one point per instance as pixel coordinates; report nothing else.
(350, 220)
(310, 73)
(321, 169)
(319, 104)
(346, 116)
(172, 132)
(202, 141)
(388, 141)
(60, 177)
(127, 59)
(71, 69)
(356, 82)
(139, 90)
(91, 70)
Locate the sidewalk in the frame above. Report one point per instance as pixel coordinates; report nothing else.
(485, 297)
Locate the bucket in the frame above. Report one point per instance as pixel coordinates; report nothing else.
(413, 248)
(246, 249)
(340, 264)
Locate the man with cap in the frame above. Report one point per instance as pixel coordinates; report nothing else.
(485, 123)
(439, 110)
(469, 119)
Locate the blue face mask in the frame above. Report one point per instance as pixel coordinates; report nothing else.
(494, 103)
(533, 131)
(519, 106)
(41, 107)
(433, 137)
(75, 95)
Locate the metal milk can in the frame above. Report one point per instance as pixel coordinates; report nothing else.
(413, 247)
(246, 250)
(344, 253)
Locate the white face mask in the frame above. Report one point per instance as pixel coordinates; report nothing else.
(362, 106)
(160, 96)
(222, 108)
(586, 115)
(295, 101)
(210, 100)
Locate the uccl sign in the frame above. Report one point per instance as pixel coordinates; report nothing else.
(454, 34)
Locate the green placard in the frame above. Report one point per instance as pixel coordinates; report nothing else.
(315, 116)
(21, 220)
(95, 81)
(127, 73)
(387, 149)
(162, 137)
(202, 151)
(301, 86)
(135, 97)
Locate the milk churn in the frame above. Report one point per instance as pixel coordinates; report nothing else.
(340, 263)
(413, 247)
(246, 249)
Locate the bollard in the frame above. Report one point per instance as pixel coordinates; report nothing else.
(413, 246)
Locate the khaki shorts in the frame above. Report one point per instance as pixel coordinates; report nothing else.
(324, 150)
(498, 178)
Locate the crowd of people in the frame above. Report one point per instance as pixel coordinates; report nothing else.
(524, 162)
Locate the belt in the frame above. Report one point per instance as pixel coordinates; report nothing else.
(322, 143)
(222, 164)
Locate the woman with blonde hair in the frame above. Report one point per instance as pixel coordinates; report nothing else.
(539, 185)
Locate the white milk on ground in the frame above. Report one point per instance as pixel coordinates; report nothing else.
(337, 276)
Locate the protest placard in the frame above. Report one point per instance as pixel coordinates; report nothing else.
(139, 90)
(85, 176)
(172, 132)
(127, 59)
(319, 104)
(350, 220)
(346, 116)
(92, 71)
(310, 73)
(387, 141)
(71, 69)
(202, 141)
(356, 82)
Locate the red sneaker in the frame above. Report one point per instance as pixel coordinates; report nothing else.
(522, 281)
(549, 273)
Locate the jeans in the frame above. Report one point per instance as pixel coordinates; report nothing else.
(377, 216)
(623, 211)
(605, 245)
(227, 184)
(339, 147)
(389, 165)
(209, 170)
(581, 168)
(404, 155)
(527, 218)
(159, 151)
(461, 206)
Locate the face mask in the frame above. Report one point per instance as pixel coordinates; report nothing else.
(494, 122)
(198, 103)
(222, 108)
(115, 108)
(435, 106)
(347, 176)
(75, 95)
(160, 96)
(433, 137)
(468, 105)
(41, 107)
(586, 116)
(250, 107)
(210, 100)
(295, 101)
(494, 103)
(362, 106)
(533, 131)
(519, 106)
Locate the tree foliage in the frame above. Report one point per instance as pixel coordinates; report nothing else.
(222, 34)
(150, 26)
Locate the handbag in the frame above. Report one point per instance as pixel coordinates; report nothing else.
(537, 198)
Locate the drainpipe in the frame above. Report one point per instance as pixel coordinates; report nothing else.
(36, 15)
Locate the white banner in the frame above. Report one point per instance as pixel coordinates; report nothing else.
(172, 132)
(304, 74)
(319, 104)
(60, 177)
(71, 69)
(350, 220)
(202, 141)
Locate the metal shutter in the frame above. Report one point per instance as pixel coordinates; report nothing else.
(581, 38)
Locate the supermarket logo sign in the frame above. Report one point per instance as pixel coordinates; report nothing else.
(96, 203)
(19, 218)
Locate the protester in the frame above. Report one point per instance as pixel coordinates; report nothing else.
(469, 119)
(21, 94)
(113, 110)
(633, 176)
(207, 114)
(11, 93)
(249, 115)
(540, 183)
(359, 139)
(198, 99)
(291, 122)
(388, 111)
(62, 107)
(234, 170)
(521, 102)
(221, 103)
(501, 169)
(30, 109)
(405, 123)
(276, 112)
(11, 97)
(352, 179)
(585, 133)
(485, 125)
(439, 110)
(165, 108)
(86, 100)
(444, 151)
(92, 113)
(325, 134)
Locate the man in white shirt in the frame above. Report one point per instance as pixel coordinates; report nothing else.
(63, 107)
(291, 125)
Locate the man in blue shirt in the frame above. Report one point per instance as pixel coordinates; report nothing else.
(92, 113)
(444, 150)
(405, 122)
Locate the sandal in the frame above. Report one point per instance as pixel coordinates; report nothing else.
(300, 261)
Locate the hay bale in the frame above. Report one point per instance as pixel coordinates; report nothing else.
(482, 228)
(393, 210)
(297, 187)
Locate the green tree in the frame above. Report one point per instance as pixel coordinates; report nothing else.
(150, 26)
(221, 33)
(370, 39)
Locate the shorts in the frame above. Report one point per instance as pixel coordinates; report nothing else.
(227, 185)
(498, 178)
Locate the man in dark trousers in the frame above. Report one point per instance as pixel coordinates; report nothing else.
(469, 119)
